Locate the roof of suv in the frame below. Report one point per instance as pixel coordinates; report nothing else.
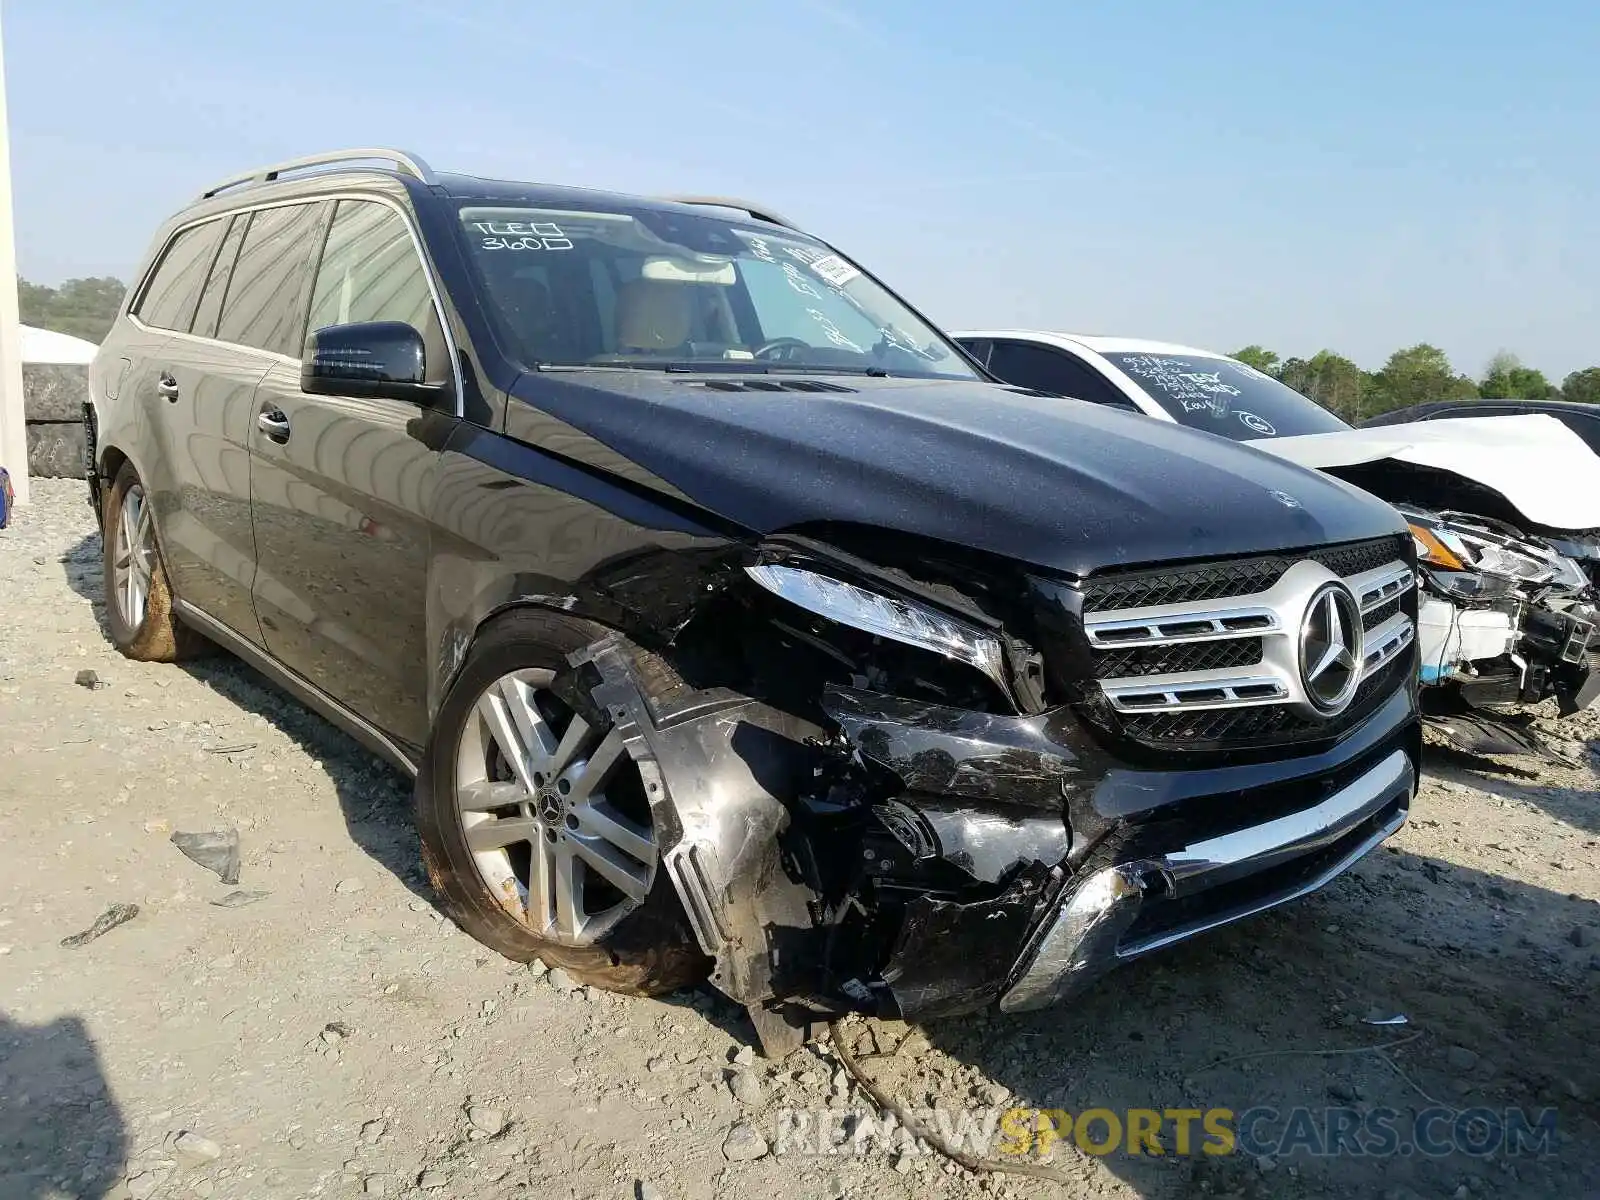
(403, 165)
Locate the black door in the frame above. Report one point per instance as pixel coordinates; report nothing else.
(196, 394)
(340, 487)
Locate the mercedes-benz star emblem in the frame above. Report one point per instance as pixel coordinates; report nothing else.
(1330, 648)
(550, 806)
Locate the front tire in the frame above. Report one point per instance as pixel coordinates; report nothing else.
(138, 596)
(534, 823)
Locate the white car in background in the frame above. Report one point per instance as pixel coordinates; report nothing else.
(1505, 511)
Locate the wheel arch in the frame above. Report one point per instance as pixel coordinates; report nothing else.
(457, 637)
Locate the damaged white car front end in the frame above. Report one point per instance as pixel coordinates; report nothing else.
(1505, 511)
(1502, 618)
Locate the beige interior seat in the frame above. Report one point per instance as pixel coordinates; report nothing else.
(653, 315)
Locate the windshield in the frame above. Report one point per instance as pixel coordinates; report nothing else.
(652, 288)
(1224, 396)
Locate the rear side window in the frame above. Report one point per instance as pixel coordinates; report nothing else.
(1024, 365)
(265, 305)
(977, 347)
(169, 297)
(1078, 379)
(205, 317)
(370, 271)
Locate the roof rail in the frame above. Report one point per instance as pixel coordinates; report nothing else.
(759, 211)
(406, 163)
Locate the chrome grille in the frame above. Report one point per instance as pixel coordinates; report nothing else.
(1182, 656)
(1261, 724)
(1372, 619)
(1224, 668)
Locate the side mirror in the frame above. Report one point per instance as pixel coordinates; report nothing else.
(383, 360)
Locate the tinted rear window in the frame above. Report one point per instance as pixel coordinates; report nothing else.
(266, 300)
(210, 308)
(169, 297)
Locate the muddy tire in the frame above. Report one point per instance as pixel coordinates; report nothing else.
(534, 825)
(138, 596)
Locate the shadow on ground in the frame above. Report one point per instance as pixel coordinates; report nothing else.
(1515, 779)
(1500, 1014)
(61, 1133)
(375, 798)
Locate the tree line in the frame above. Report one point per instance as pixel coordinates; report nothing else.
(1418, 374)
(84, 308)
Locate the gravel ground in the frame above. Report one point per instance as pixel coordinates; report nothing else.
(327, 1033)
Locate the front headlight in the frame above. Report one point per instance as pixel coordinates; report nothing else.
(1453, 546)
(886, 616)
(1434, 547)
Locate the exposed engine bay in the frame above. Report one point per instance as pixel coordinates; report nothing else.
(1504, 618)
(1508, 602)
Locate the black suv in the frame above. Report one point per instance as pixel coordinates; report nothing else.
(731, 620)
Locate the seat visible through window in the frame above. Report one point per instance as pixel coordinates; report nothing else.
(653, 316)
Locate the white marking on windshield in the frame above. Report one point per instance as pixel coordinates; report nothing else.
(1257, 424)
(521, 235)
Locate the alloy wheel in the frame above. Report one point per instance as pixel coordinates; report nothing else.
(134, 560)
(553, 811)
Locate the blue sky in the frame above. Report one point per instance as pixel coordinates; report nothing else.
(1353, 175)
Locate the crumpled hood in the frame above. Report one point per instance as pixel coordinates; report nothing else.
(1061, 485)
(1544, 470)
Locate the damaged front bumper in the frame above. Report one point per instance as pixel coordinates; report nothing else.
(1097, 925)
(1153, 857)
(917, 860)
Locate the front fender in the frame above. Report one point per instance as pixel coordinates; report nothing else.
(514, 525)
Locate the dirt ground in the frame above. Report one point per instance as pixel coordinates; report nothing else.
(333, 1036)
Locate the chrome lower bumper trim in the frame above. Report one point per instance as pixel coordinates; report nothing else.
(1086, 937)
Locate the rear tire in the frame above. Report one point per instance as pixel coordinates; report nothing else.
(534, 826)
(138, 596)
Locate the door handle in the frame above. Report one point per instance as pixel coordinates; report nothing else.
(167, 386)
(274, 424)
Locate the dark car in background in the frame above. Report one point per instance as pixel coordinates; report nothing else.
(732, 622)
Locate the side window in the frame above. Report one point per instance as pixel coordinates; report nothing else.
(370, 271)
(977, 347)
(264, 305)
(169, 297)
(1082, 381)
(205, 317)
(1029, 366)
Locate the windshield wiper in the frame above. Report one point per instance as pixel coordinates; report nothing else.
(721, 366)
(826, 369)
(617, 366)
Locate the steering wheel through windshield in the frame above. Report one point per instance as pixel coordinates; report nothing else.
(783, 349)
